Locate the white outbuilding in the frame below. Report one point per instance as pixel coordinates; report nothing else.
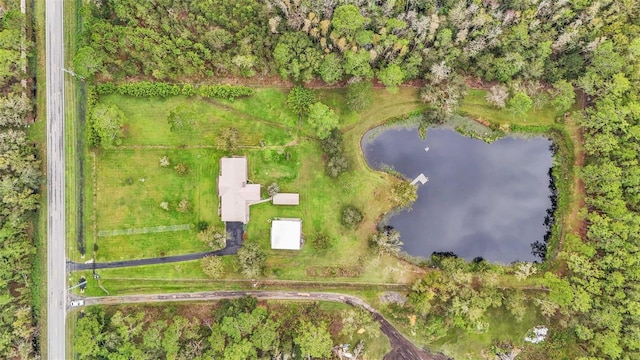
(286, 234)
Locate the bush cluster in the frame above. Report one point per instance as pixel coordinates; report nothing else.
(351, 216)
(333, 147)
(140, 89)
(227, 92)
(161, 89)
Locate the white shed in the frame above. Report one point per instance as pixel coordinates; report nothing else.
(286, 234)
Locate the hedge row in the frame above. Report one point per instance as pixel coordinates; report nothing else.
(160, 89)
(228, 92)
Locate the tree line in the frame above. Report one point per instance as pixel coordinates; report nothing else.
(162, 89)
(20, 179)
(231, 329)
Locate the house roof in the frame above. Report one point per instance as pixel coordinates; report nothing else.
(286, 199)
(286, 234)
(235, 194)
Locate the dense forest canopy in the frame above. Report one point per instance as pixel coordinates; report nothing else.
(494, 40)
(19, 183)
(232, 329)
(593, 45)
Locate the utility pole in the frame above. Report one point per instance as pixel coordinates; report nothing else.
(70, 72)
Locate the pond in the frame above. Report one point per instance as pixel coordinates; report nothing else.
(480, 200)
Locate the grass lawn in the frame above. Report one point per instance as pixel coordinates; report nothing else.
(132, 184)
(147, 121)
(475, 106)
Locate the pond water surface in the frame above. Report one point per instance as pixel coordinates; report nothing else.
(487, 200)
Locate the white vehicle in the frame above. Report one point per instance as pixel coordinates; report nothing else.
(76, 303)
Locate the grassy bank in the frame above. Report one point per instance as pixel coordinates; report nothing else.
(475, 106)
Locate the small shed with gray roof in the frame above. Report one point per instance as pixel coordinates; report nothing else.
(286, 199)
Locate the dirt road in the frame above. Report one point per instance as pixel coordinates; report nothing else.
(401, 347)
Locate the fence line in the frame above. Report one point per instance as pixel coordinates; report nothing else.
(144, 230)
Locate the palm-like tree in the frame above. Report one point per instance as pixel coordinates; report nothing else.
(387, 241)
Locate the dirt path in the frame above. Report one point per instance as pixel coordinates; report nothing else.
(401, 347)
(574, 223)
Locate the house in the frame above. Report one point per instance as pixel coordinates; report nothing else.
(235, 194)
(286, 234)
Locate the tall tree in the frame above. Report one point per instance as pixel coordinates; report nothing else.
(251, 260)
(359, 95)
(296, 57)
(314, 340)
(519, 104)
(300, 99)
(87, 62)
(391, 76)
(107, 123)
(322, 119)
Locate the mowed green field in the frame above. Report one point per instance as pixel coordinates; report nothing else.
(131, 185)
(256, 119)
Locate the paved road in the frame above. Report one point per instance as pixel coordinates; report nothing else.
(233, 244)
(402, 348)
(56, 259)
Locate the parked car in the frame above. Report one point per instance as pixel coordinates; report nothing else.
(76, 303)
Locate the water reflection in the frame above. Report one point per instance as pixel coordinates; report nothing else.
(487, 200)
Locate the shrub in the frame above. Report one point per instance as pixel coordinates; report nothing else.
(213, 267)
(337, 163)
(273, 189)
(140, 89)
(164, 206)
(227, 92)
(202, 225)
(321, 241)
(214, 238)
(404, 194)
(184, 206)
(188, 90)
(106, 88)
(164, 161)
(182, 169)
(351, 216)
(160, 89)
(230, 138)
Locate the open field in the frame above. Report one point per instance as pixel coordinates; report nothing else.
(147, 120)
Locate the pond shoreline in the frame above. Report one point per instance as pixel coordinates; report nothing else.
(373, 134)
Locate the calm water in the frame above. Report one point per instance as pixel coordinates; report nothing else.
(481, 199)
